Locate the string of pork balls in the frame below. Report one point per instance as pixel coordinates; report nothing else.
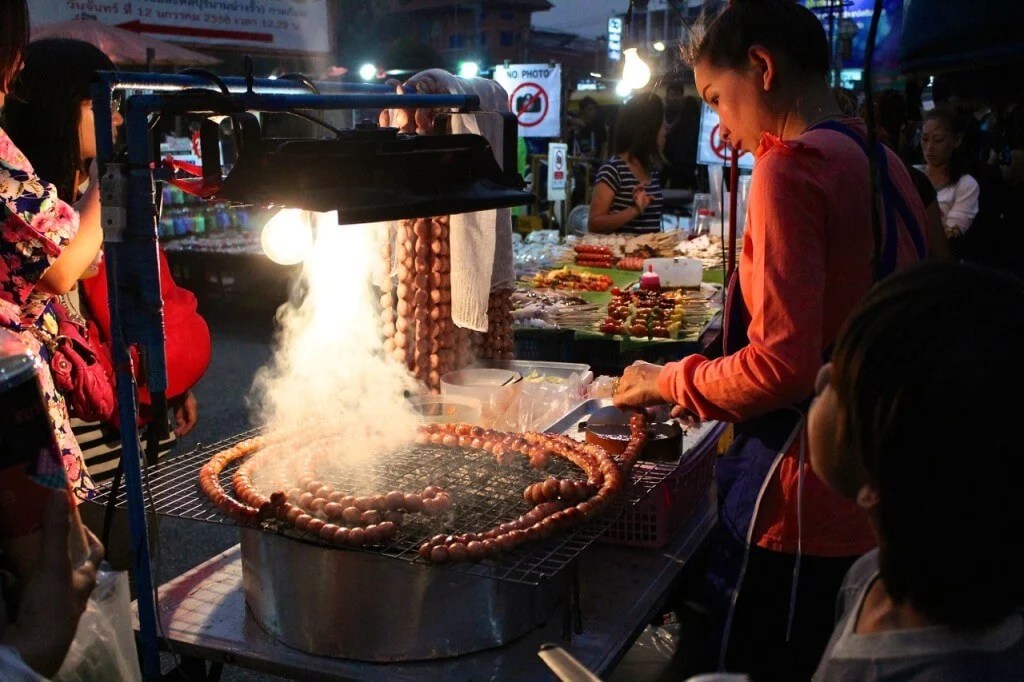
(316, 507)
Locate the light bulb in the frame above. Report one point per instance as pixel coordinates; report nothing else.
(367, 72)
(635, 73)
(659, 46)
(622, 89)
(287, 238)
(469, 69)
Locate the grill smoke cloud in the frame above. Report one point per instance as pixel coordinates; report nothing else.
(328, 375)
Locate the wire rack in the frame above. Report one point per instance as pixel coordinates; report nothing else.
(484, 494)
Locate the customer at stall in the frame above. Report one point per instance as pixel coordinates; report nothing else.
(941, 138)
(784, 541)
(54, 97)
(917, 608)
(628, 197)
(47, 245)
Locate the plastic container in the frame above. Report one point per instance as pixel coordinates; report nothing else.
(445, 409)
(540, 370)
(478, 382)
(677, 272)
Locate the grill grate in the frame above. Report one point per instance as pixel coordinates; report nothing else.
(483, 493)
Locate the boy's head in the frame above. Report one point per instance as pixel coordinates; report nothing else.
(907, 421)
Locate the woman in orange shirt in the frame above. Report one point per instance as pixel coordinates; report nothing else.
(783, 541)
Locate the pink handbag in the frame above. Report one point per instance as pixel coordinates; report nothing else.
(80, 373)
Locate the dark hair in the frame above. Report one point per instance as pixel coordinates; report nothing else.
(954, 121)
(43, 121)
(783, 26)
(636, 130)
(914, 369)
(14, 37)
(588, 103)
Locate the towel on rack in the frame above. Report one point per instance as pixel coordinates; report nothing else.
(481, 242)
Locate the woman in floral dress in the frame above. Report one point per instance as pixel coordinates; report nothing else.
(45, 246)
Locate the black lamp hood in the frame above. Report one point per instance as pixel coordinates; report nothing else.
(370, 174)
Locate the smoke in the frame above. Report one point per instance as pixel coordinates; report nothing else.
(329, 377)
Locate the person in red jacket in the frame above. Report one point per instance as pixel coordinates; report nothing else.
(783, 541)
(52, 122)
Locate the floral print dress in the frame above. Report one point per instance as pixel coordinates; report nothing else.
(35, 226)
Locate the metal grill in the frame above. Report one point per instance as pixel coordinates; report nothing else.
(484, 494)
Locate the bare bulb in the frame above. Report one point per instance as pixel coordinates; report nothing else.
(635, 72)
(287, 238)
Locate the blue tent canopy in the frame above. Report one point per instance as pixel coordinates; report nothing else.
(956, 35)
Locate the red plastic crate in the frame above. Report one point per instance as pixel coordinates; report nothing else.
(656, 519)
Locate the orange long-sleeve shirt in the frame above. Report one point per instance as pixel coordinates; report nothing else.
(805, 265)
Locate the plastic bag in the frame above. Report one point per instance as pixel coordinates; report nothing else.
(104, 644)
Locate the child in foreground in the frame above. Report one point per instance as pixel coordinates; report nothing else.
(907, 423)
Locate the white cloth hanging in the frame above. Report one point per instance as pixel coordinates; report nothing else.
(481, 242)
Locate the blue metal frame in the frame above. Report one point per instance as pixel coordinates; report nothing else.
(129, 215)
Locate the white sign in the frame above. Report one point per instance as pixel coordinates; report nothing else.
(711, 148)
(534, 96)
(615, 39)
(295, 25)
(558, 153)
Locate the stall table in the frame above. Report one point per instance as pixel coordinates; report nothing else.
(203, 616)
(605, 353)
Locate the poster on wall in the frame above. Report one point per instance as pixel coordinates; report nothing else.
(711, 149)
(292, 25)
(534, 96)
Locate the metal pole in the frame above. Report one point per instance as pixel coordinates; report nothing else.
(121, 209)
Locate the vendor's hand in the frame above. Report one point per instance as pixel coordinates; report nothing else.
(641, 198)
(638, 386)
(56, 594)
(186, 414)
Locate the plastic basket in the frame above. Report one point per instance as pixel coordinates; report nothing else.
(662, 513)
(553, 345)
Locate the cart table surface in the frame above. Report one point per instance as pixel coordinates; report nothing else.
(203, 615)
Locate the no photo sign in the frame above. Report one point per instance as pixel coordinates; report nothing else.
(711, 148)
(534, 96)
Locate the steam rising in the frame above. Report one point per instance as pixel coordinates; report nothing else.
(329, 375)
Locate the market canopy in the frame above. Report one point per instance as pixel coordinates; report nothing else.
(123, 47)
(954, 35)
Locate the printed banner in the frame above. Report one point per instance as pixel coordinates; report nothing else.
(294, 25)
